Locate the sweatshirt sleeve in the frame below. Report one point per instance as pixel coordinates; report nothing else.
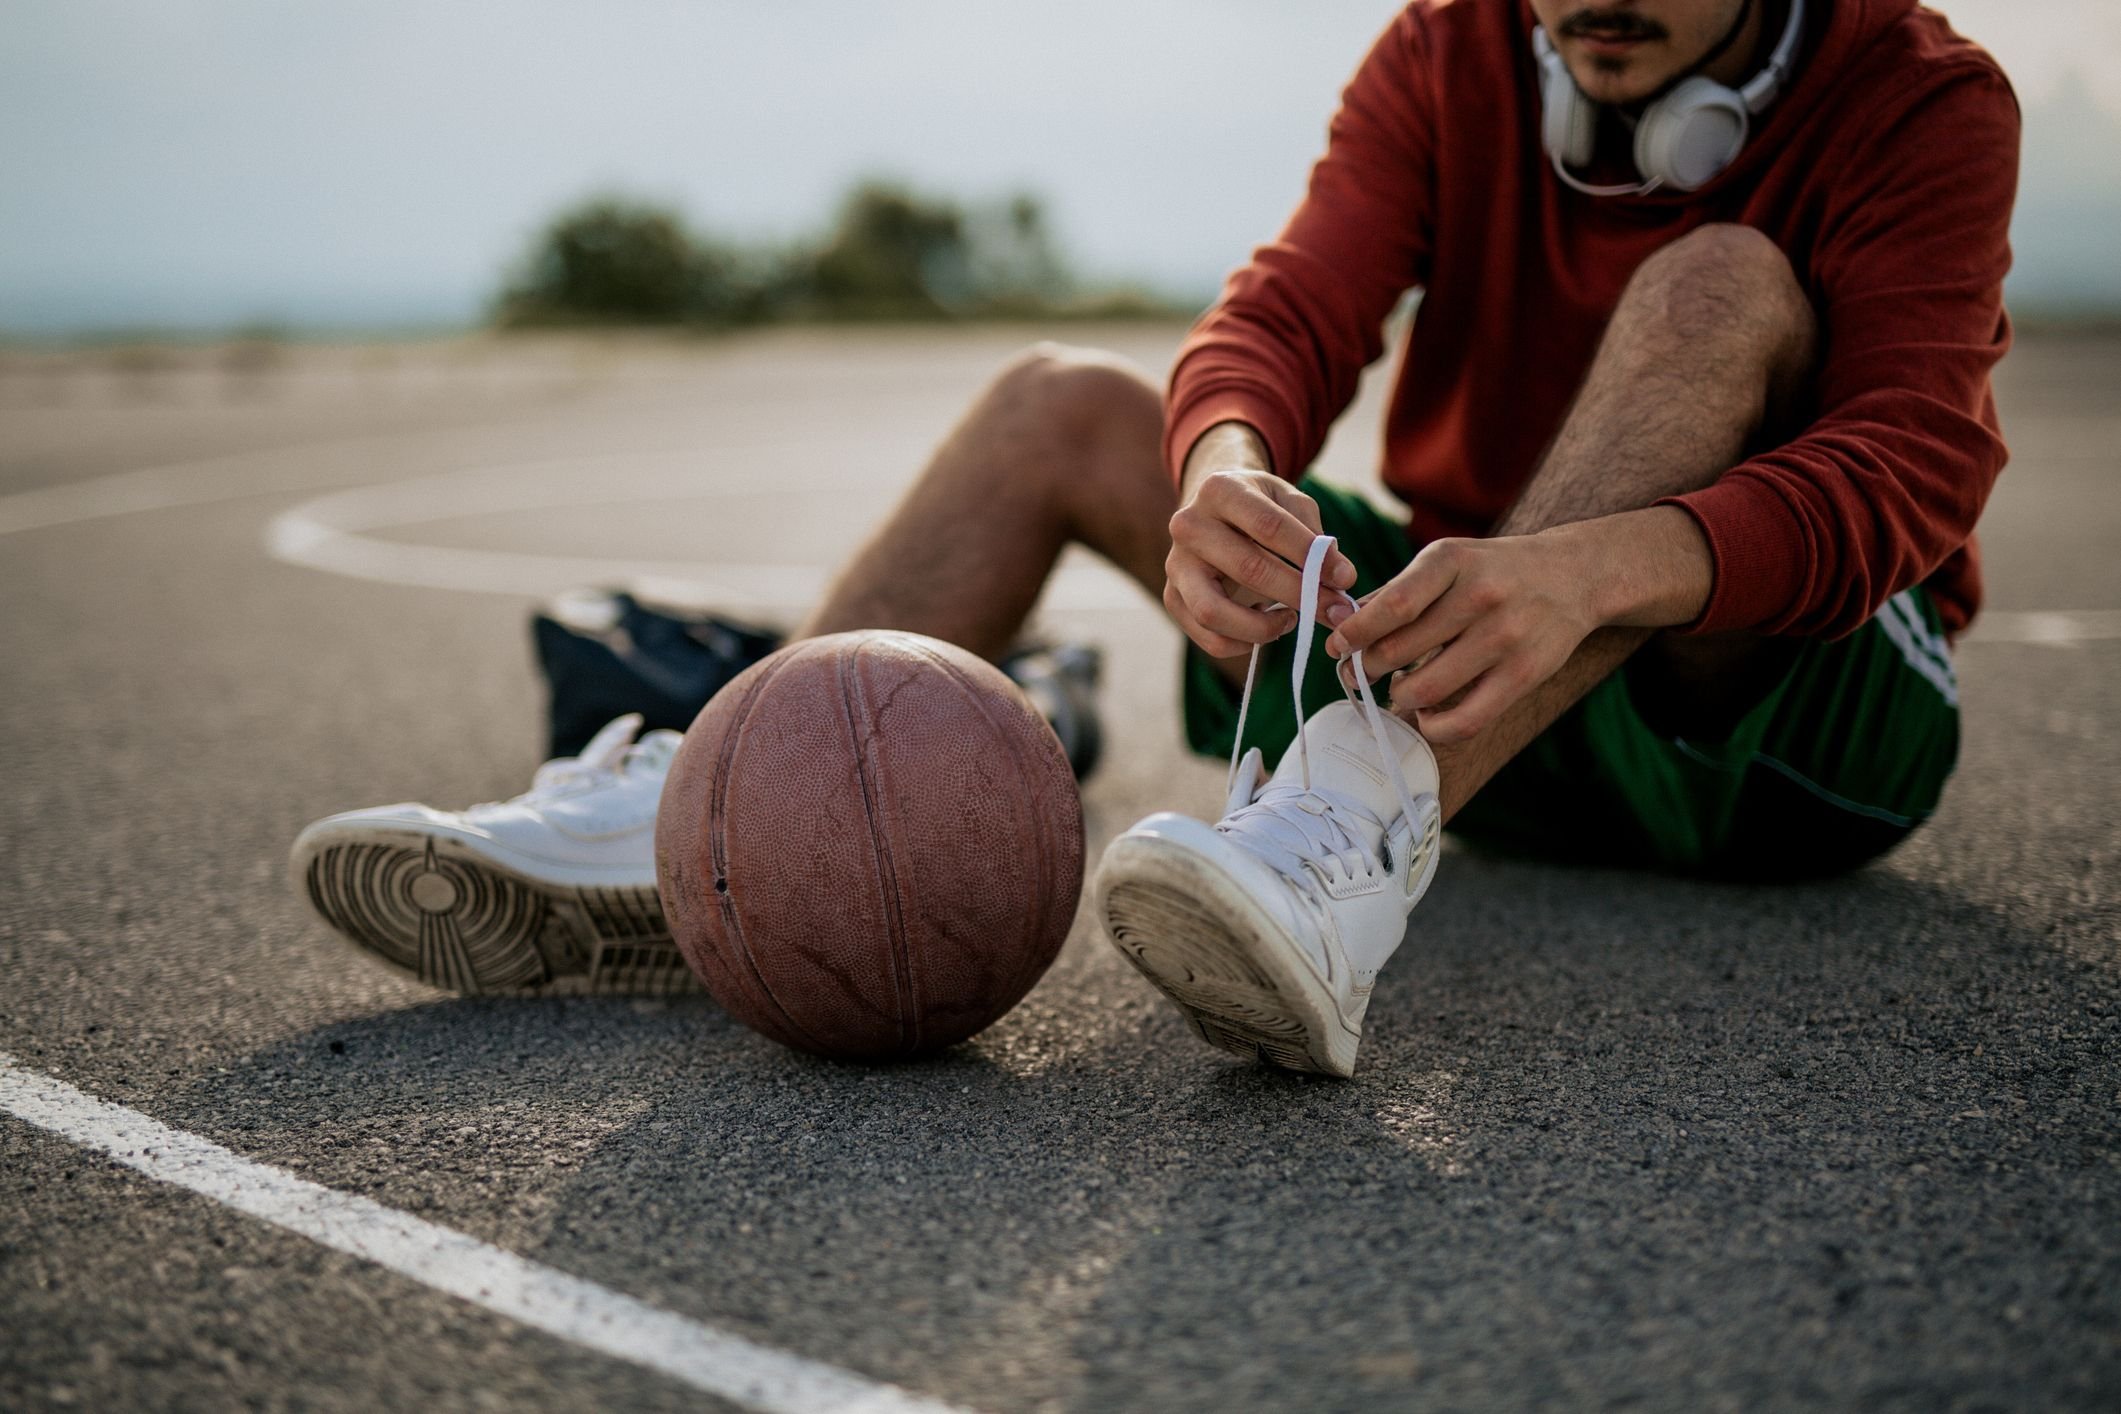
(1285, 345)
(1812, 537)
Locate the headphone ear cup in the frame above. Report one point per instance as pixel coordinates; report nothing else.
(1686, 137)
(1568, 122)
(1579, 117)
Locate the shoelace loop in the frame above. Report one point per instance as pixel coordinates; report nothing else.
(1273, 821)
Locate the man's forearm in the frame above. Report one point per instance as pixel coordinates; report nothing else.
(1642, 569)
(1227, 446)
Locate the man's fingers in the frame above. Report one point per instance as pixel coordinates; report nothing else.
(1488, 699)
(1269, 521)
(1297, 504)
(1446, 673)
(1221, 614)
(1274, 515)
(1204, 603)
(1339, 570)
(1214, 644)
(1401, 601)
(1210, 643)
(1407, 645)
(1244, 562)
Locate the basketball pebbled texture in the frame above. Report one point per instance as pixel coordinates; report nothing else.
(870, 845)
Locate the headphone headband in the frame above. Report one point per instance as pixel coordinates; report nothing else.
(1761, 88)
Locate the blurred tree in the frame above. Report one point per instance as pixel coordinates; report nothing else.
(610, 260)
(893, 255)
(1016, 267)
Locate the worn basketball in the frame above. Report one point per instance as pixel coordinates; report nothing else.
(870, 845)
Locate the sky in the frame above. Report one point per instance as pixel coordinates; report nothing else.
(198, 164)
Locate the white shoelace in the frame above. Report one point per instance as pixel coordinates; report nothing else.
(1293, 826)
(611, 753)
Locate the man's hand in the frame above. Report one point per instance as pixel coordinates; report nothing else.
(1483, 622)
(1237, 543)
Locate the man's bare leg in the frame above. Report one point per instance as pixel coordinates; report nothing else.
(1712, 338)
(1064, 446)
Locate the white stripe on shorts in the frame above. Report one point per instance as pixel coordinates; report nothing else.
(1923, 649)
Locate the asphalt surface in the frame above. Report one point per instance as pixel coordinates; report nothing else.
(1615, 1140)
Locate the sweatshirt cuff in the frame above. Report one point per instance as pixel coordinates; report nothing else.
(1275, 427)
(1757, 550)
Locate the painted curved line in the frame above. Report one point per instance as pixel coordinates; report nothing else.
(334, 533)
(310, 537)
(278, 470)
(232, 477)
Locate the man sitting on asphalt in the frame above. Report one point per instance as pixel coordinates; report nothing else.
(1693, 425)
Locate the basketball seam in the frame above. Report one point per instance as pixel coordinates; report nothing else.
(716, 817)
(1048, 885)
(903, 990)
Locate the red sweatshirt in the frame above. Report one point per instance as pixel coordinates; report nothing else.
(1885, 172)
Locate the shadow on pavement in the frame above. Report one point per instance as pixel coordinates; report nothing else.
(1613, 1137)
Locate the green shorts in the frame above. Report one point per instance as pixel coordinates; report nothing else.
(1840, 759)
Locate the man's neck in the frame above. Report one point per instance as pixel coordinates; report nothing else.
(1747, 54)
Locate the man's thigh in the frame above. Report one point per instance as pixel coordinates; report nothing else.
(1842, 755)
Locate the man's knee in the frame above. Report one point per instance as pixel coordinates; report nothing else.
(1075, 397)
(1718, 284)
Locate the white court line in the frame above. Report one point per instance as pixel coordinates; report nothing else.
(721, 1364)
(327, 534)
(306, 466)
(195, 483)
(333, 533)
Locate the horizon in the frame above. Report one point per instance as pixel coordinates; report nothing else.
(377, 170)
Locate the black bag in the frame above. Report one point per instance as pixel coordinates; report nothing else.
(604, 654)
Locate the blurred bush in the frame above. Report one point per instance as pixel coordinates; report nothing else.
(612, 261)
(891, 254)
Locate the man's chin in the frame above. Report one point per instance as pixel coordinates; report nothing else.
(1616, 80)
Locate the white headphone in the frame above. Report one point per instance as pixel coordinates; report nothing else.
(1682, 140)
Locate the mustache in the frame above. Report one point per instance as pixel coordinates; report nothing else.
(1611, 24)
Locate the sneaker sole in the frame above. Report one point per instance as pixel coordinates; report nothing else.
(431, 907)
(1239, 983)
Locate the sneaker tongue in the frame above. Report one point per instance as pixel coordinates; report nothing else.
(1344, 762)
(609, 745)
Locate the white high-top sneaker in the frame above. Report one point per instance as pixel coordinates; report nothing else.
(551, 893)
(1268, 928)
